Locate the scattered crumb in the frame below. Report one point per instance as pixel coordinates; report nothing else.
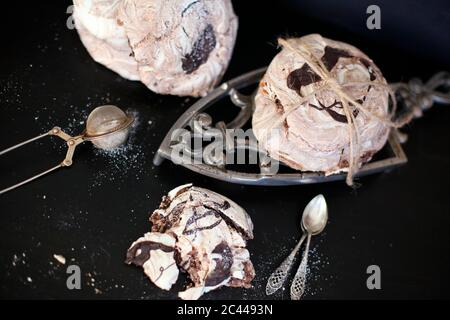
(59, 258)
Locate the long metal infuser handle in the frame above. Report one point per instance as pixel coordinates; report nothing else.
(72, 143)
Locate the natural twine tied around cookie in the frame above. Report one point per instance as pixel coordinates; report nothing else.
(330, 83)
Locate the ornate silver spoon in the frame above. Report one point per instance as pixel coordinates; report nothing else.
(278, 277)
(311, 218)
(107, 127)
(314, 220)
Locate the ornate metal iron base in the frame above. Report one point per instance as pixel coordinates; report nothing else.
(195, 122)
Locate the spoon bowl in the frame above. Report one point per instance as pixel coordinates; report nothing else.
(315, 215)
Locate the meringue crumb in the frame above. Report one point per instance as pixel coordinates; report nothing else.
(59, 258)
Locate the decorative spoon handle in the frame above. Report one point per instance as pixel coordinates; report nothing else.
(299, 282)
(278, 277)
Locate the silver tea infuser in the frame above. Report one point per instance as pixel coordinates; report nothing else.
(107, 127)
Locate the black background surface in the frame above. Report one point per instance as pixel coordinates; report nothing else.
(91, 212)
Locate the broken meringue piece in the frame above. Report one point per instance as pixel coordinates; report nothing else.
(300, 120)
(155, 253)
(182, 47)
(208, 232)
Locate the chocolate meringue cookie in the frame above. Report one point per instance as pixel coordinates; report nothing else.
(104, 38)
(306, 128)
(182, 47)
(210, 232)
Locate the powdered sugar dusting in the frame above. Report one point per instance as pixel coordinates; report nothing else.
(123, 158)
(317, 262)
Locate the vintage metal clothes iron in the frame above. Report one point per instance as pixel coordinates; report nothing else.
(195, 122)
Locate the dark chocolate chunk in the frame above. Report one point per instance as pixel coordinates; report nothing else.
(222, 270)
(200, 51)
(332, 55)
(145, 247)
(301, 77)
